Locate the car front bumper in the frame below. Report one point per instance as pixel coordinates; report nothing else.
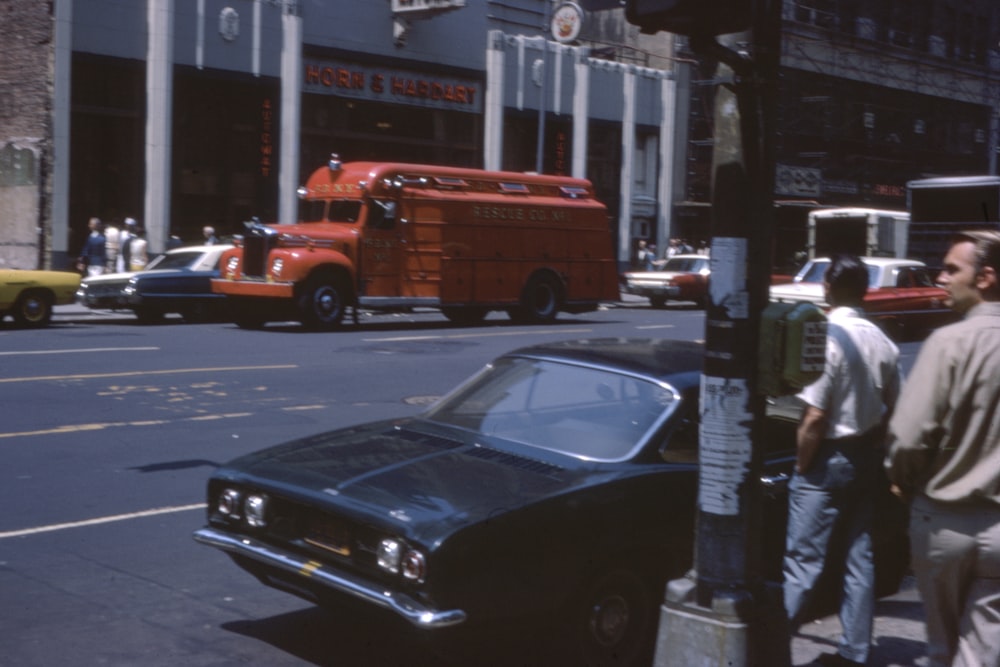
(669, 291)
(403, 605)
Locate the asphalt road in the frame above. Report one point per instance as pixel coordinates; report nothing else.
(110, 429)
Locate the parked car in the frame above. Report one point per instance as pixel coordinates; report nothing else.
(557, 486)
(28, 296)
(902, 295)
(178, 281)
(680, 278)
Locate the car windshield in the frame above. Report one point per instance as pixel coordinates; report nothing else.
(814, 271)
(583, 411)
(685, 264)
(174, 260)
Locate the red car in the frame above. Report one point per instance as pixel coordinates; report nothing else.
(902, 295)
(681, 278)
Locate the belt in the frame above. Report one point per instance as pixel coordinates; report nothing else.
(870, 437)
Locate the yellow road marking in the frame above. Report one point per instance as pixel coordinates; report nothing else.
(172, 371)
(78, 428)
(397, 339)
(105, 519)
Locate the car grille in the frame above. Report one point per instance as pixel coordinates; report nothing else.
(257, 245)
(99, 290)
(338, 538)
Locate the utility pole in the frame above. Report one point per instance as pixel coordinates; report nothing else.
(724, 613)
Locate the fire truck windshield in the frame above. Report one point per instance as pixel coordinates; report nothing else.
(320, 210)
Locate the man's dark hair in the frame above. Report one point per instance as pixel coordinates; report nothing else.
(847, 276)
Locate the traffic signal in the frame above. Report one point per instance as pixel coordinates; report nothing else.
(690, 17)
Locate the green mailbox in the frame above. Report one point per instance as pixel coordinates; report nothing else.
(792, 347)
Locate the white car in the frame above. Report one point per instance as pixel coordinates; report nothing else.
(178, 281)
(902, 295)
(680, 278)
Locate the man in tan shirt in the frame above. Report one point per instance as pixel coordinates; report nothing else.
(944, 450)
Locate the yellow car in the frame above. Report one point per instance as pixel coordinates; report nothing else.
(28, 296)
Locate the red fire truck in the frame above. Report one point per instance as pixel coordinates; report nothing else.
(385, 236)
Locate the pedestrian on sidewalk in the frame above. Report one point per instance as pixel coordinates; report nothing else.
(122, 261)
(94, 254)
(944, 452)
(839, 454)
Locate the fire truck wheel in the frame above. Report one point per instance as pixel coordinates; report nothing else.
(323, 303)
(540, 301)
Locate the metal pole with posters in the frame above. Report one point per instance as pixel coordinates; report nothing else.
(723, 613)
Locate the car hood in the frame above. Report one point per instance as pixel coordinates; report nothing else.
(812, 292)
(423, 479)
(122, 277)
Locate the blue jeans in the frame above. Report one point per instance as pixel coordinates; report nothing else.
(832, 504)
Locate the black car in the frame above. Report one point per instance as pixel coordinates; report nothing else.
(178, 281)
(556, 487)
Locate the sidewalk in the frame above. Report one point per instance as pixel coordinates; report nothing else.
(899, 633)
(74, 312)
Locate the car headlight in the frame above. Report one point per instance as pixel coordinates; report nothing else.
(276, 266)
(396, 557)
(228, 503)
(414, 565)
(255, 510)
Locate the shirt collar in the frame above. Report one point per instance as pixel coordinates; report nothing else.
(843, 312)
(984, 308)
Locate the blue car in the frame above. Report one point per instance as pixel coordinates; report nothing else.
(178, 281)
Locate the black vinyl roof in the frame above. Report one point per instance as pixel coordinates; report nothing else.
(662, 359)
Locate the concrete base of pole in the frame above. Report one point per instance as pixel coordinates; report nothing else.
(739, 630)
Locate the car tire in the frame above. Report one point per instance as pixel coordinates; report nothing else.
(33, 309)
(323, 303)
(614, 622)
(540, 302)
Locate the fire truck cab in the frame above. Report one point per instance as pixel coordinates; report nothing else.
(386, 236)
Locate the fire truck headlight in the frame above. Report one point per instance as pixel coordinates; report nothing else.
(276, 266)
(231, 266)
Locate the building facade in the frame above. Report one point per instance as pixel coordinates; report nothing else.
(873, 94)
(182, 113)
(25, 132)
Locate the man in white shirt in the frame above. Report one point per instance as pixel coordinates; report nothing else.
(839, 454)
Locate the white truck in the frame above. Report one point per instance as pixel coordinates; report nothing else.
(866, 232)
